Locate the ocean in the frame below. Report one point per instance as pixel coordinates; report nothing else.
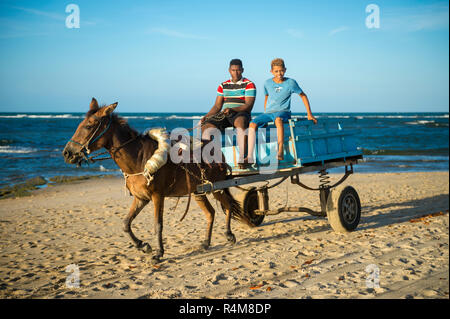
(31, 143)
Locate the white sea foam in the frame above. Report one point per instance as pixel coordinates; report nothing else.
(177, 117)
(420, 122)
(42, 116)
(336, 116)
(442, 116)
(17, 116)
(16, 150)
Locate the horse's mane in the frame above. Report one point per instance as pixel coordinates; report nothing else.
(124, 124)
(117, 119)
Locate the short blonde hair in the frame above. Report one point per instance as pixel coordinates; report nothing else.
(277, 62)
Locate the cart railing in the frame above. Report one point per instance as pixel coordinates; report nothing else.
(304, 143)
(287, 172)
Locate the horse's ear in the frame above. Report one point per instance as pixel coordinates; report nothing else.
(94, 105)
(107, 110)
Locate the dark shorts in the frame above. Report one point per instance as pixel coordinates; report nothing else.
(223, 121)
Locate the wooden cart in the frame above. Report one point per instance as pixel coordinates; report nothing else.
(308, 148)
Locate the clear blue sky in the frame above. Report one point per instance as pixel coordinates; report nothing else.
(170, 56)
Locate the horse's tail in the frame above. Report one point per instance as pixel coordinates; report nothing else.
(237, 212)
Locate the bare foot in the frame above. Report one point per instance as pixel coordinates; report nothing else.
(246, 163)
(280, 154)
(249, 160)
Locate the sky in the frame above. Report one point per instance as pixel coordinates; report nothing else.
(170, 56)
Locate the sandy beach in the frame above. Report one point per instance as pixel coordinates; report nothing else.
(399, 250)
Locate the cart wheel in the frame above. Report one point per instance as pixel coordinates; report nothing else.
(249, 203)
(344, 209)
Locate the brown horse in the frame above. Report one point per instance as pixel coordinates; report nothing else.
(101, 128)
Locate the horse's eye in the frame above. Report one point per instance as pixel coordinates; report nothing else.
(89, 126)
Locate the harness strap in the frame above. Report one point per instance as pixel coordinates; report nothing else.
(85, 146)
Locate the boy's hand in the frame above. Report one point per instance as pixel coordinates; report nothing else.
(312, 118)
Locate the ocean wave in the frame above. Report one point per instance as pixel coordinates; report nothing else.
(428, 123)
(407, 152)
(419, 122)
(443, 116)
(362, 116)
(102, 168)
(324, 116)
(17, 116)
(178, 117)
(42, 116)
(171, 117)
(334, 116)
(197, 117)
(407, 159)
(16, 150)
(135, 117)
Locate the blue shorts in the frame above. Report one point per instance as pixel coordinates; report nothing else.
(263, 119)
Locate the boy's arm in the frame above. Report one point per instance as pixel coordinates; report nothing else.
(265, 102)
(215, 108)
(308, 108)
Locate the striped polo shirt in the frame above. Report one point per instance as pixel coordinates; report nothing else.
(234, 93)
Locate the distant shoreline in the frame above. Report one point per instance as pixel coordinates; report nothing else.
(295, 113)
(39, 182)
(28, 187)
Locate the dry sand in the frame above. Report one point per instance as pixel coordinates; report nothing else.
(291, 255)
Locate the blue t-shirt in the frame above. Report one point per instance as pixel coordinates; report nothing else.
(280, 94)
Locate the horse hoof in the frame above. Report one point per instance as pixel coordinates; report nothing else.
(156, 260)
(231, 238)
(204, 246)
(146, 248)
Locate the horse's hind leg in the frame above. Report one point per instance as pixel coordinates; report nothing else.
(209, 211)
(135, 209)
(158, 202)
(222, 197)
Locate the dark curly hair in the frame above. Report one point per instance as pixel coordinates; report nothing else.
(236, 62)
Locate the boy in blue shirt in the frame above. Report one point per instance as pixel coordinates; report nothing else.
(277, 107)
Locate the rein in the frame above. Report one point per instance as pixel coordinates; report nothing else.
(217, 117)
(85, 147)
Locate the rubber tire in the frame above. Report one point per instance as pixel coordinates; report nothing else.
(249, 203)
(337, 209)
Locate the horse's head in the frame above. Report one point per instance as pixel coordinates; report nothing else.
(92, 133)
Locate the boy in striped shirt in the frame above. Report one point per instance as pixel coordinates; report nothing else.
(236, 98)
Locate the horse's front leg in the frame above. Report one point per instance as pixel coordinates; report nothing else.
(158, 203)
(135, 209)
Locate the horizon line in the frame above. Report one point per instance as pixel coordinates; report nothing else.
(140, 112)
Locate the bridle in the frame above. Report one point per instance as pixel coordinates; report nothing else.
(85, 151)
(85, 147)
